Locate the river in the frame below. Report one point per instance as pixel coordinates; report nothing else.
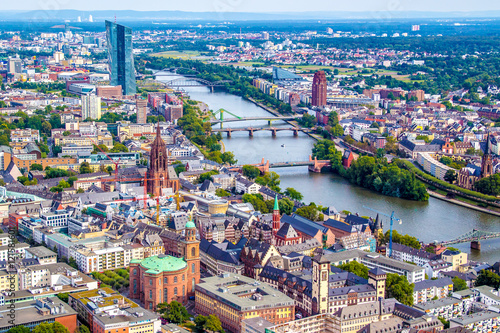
(428, 221)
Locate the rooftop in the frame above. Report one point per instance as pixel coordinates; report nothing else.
(162, 263)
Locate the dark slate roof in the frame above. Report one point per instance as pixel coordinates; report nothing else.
(376, 271)
(206, 185)
(415, 252)
(363, 288)
(304, 225)
(287, 231)
(274, 274)
(354, 220)
(419, 148)
(438, 283)
(226, 251)
(339, 225)
(348, 277)
(178, 222)
(407, 312)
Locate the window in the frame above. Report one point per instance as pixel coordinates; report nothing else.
(175, 291)
(183, 290)
(193, 252)
(165, 280)
(193, 268)
(165, 294)
(183, 278)
(175, 279)
(150, 294)
(193, 282)
(150, 282)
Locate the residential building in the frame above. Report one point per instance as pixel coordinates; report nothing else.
(222, 295)
(25, 135)
(406, 253)
(427, 290)
(141, 106)
(91, 107)
(435, 267)
(455, 258)
(42, 254)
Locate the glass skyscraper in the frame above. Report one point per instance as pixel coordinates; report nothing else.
(121, 58)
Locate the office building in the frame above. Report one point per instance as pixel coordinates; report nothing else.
(46, 310)
(234, 298)
(91, 107)
(319, 87)
(142, 110)
(121, 58)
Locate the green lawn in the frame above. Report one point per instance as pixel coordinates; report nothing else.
(178, 54)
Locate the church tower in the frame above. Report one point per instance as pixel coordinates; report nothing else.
(158, 176)
(276, 216)
(487, 160)
(191, 250)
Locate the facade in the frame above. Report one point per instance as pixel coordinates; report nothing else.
(91, 107)
(160, 174)
(25, 135)
(141, 110)
(427, 290)
(121, 58)
(319, 88)
(165, 278)
(221, 295)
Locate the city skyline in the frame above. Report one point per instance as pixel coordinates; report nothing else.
(261, 6)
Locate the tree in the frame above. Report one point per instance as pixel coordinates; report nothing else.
(66, 133)
(286, 206)
(458, 284)
(50, 328)
(207, 176)
(179, 168)
(271, 180)
(307, 120)
(174, 312)
(80, 190)
(487, 278)
(119, 148)
(83, 329)
(489, 185)
(222, 193)
(63, 297)
(380, 152)
(64, 184)
(310, 212)
(294, 194)
(356, 268)
(36, 166)
(337, 130)
(251, 171)
(19, 329)
(85, 168)
(213, 324)
(401, 239)
(72, 262)
(228, 157)
(450, 176)
(397, 286)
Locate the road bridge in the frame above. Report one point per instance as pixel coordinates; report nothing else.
(314, 165)
(183, 82)
(251, 130)
(269, 119)
(473, 237)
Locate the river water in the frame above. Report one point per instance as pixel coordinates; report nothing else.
(428, 221)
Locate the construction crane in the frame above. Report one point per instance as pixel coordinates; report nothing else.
(393, 218)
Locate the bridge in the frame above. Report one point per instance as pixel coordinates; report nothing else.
(174, 70)
(473, 237)
(269, 119)
(251, 130)
(195, 82)
(314, 165)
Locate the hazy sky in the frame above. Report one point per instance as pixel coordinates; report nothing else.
(257, 5)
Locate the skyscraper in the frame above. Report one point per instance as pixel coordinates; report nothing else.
(141, 109)
(319, 89)
(121, 58)
(91, 107)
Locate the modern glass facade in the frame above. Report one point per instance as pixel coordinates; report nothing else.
(121, 58)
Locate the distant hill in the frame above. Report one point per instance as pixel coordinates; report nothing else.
(130, 15)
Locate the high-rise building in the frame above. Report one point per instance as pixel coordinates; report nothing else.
(161, 175)
(121, 58)
(91, 19)
(15, 66)
(319, 89)
(91, 107)
(141, 109)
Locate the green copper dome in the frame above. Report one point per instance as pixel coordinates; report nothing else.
(190, 224)
(163, 263)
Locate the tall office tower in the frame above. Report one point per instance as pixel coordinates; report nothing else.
(141, 109)
(121, 58)
(91, 107)
(91, 19)
(319, 89)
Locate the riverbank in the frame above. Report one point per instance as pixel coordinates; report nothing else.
(461, 203)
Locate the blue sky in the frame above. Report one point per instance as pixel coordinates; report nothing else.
(257, 5)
